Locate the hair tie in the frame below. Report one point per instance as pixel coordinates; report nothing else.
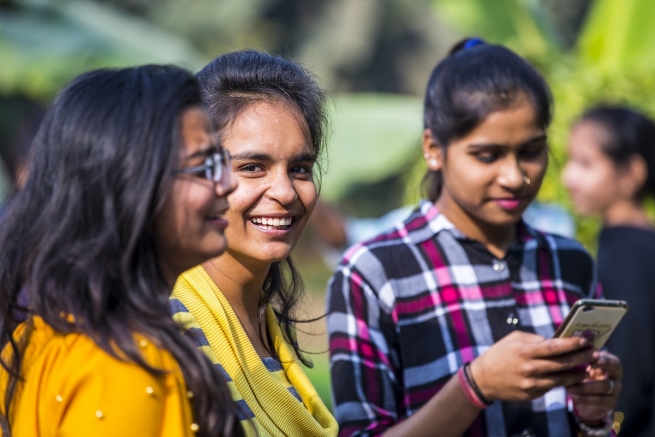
(472, 43)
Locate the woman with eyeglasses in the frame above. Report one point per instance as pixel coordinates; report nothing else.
(239, 307)
(444, 324)
(125, 190)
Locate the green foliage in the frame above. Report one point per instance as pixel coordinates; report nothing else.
(374, 135)
(619, 35)
(518, 24)
(44, 44)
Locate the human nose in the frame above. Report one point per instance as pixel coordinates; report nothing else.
(511, 175)
(281, 188)
(227, 184)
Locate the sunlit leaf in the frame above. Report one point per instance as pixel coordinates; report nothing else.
(374, 136)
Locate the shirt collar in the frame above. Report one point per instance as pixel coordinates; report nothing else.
(436, 222)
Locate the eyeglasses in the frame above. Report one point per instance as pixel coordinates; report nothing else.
(216, 166)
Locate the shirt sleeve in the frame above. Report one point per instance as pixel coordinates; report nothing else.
(367, 390)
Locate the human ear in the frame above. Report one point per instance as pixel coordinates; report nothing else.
(432, 151)
(632, 176)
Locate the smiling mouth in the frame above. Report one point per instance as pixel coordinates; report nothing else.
(214, 217)
(276, 223)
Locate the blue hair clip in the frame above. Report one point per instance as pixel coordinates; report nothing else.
(472, 43)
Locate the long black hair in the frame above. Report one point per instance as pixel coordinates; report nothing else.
(230, 84)
(473, 81)
(79, 237)
(628, 132)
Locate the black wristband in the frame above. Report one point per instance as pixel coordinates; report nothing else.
(474, 386)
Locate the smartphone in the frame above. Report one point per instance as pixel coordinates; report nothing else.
(593, 319)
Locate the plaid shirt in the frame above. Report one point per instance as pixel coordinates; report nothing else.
(408, 308)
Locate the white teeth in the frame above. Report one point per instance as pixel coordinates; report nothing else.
(272, 222)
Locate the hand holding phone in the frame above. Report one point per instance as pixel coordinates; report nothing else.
(593, 319)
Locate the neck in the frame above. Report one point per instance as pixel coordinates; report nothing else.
(241, 283)
(169, 275)
(497, 239)
(626, 212)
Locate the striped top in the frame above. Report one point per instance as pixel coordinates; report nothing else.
(275, 398)
(182, 315)
(408, 308)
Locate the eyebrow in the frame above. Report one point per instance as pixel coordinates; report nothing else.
(536, 139)
(204, 152)
(255, 156)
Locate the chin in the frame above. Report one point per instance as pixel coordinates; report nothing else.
(273, 256)
(217, 250)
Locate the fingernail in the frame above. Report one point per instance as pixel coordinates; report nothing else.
(583, 342)
(596, 355)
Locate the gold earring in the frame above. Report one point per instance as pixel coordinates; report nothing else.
(526, 180)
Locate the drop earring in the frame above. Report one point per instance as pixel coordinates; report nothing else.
(432, 162)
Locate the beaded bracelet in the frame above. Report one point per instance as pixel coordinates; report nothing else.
(471, 391)
(589, 431)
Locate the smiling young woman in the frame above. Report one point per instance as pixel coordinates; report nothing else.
(112, 211)
(269, 114)
(443, 325)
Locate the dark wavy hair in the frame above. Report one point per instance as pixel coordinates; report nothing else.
(473, 81)
(628, 133)
(230, 84)
(79, 237)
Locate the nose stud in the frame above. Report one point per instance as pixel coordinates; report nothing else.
(526, 180)
(295, 197)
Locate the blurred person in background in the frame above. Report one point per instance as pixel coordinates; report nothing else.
(610, 172)
(443, 325)
(269, 113)
(126, 189)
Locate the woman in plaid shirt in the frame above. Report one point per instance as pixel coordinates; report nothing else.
(442, 326)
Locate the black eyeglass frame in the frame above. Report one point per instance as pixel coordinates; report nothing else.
(213, 166)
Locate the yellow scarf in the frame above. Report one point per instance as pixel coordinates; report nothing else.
(200, 307)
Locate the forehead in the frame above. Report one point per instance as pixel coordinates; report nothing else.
(194, 123)
(511, 126)
(271, 125)
(195, 130)
(586, 140)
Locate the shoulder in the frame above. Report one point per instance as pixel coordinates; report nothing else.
(571, 263)
(196, 278)
(393, 248)
(83, 384)
(630, 242)
(568, 249)
(74, 357)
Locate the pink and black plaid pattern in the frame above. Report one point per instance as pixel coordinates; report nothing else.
(408, 308)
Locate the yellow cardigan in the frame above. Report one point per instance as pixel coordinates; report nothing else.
(74, 388)
(268, 407)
